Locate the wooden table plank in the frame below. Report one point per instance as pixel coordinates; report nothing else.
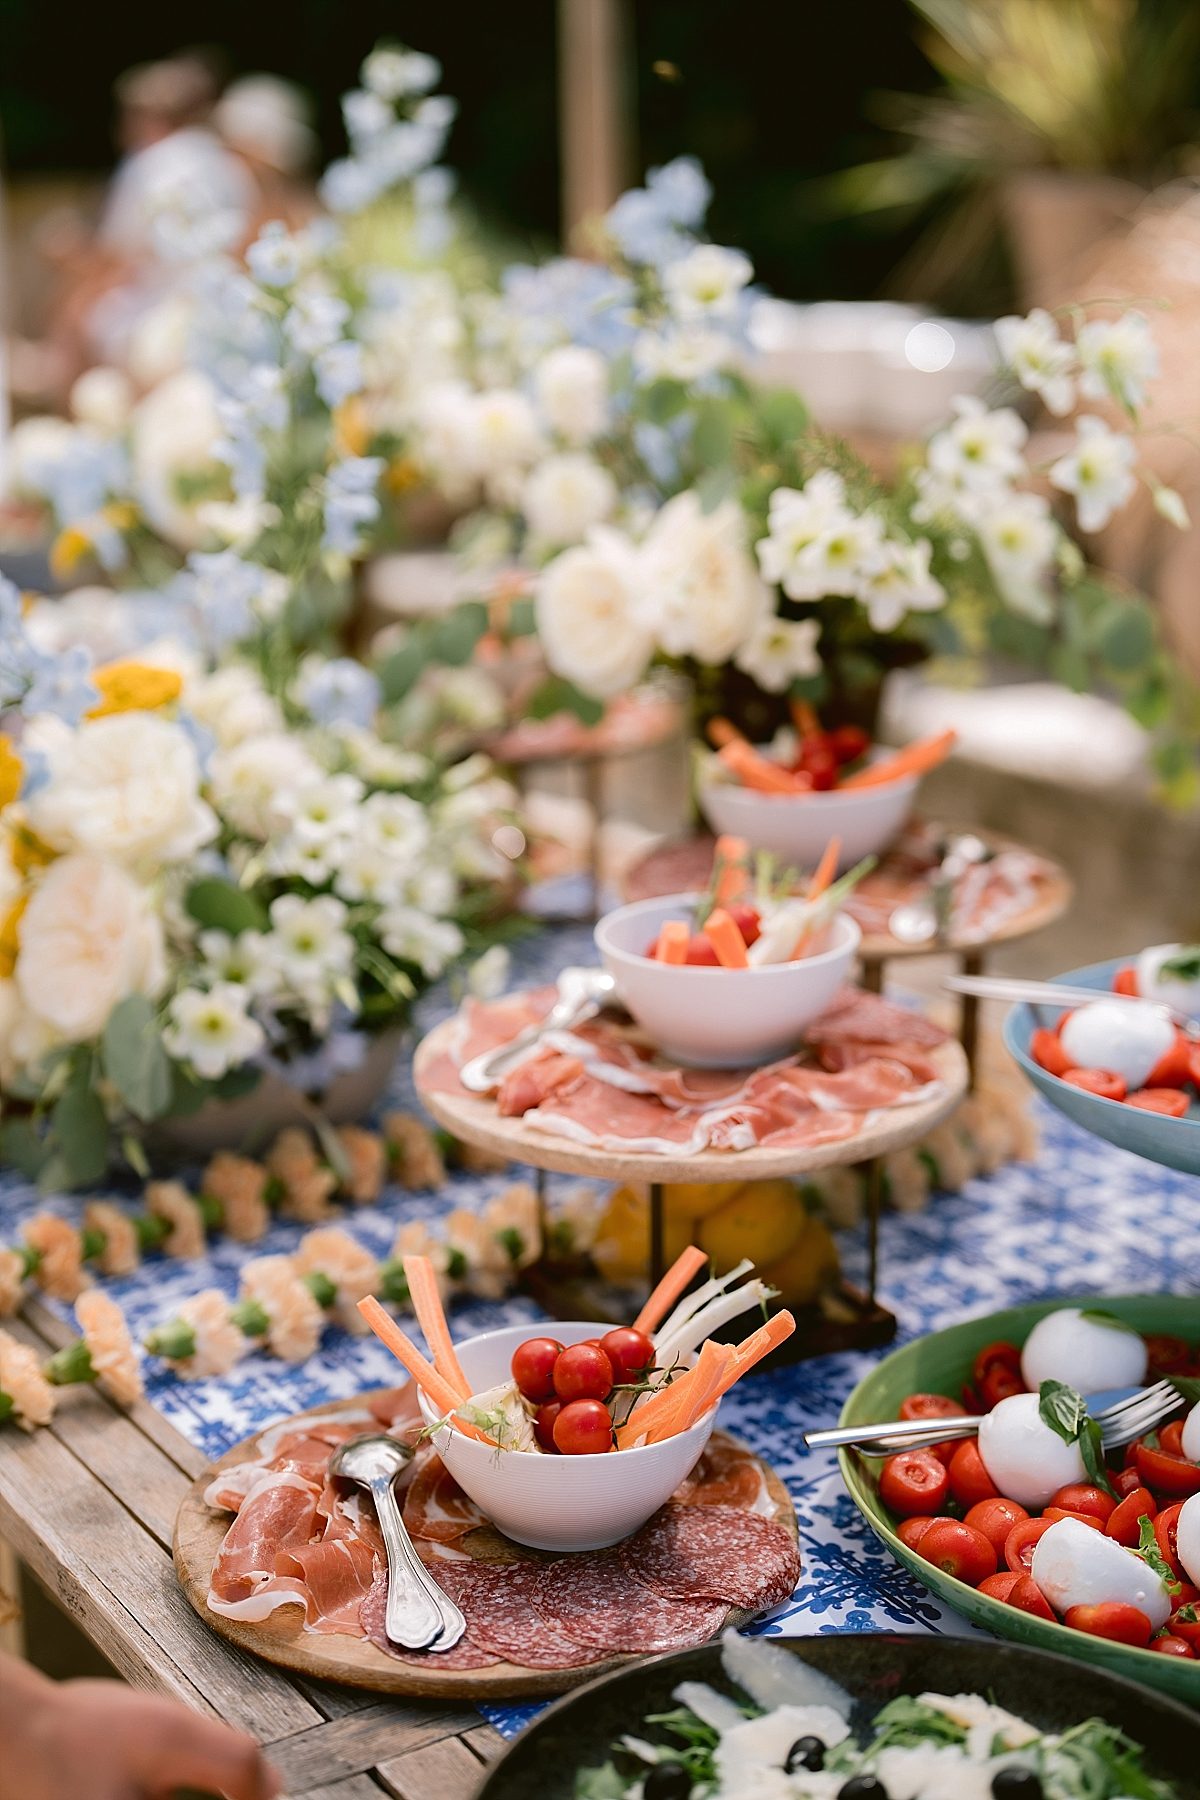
(354, 1787)
(349, 1745)
(448, 1769)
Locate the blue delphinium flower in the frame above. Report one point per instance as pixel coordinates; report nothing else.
(275, 257)
(351, 502)
(682, 190)
(339, 692)
(222, 590)
(17, 654)
(61, 684)
(314, 321)
(339, 372)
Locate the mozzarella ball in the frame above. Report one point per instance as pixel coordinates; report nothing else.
(1085, 1353)
(1168, 990)
(1126, 1037)
(1190, 1442)
(1076, 1566)
(1187, 1535)
(1026, 1459)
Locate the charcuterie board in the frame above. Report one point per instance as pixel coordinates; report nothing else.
(338, 1656)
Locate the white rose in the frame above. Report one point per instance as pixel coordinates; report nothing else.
(706, 282)
(88, 939)
(570, 385)
(175, 430)
(127, 787)
(587, 616)
(444, 425)
(565, 496)
(34, 445)
(158, 342)
(252, 782)
(504, 432)
(703, 596)
(102, 397)
(233, 704)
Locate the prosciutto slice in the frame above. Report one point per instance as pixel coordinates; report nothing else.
(436, 1507)
(278, 1514)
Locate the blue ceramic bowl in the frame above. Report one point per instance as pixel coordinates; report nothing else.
(1173, 1142)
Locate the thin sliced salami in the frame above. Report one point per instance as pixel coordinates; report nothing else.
(601, 1605)
(466, 1654)
(715, 1553)
(436, 1507)
(500, 1618)
(726, 1475)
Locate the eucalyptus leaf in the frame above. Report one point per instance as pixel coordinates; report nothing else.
(712, 436)
(557, 695)
(398, 672)
(134, 1059)
(1125, 636)
(22, 1145)
(79, 1129)
(221, 906)
(454, 638)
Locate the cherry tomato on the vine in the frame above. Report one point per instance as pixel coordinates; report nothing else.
(533, 1366)
(913, 1482)
(583, 1372)
(583, 1428)
(630, 1352)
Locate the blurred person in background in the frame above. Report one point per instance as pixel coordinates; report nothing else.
(266, 123)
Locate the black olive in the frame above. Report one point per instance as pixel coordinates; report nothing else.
(805, 1753)
(667, 1781)
(862, 1787)
(1016, 1784)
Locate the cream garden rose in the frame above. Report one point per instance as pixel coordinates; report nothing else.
(175, 431)
(252, 781)
(89, 938)
(587, 615)
(127, 787)
(702, 595)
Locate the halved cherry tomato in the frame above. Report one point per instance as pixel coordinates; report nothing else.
(583, 1428)
(934, 1406)
(1097, 1081)
(969, 1479)
(1055, 1513)
(1111, 1619)
(1125, 981)
(1194, 1066)
(1046, 1050)
(958, 1550)
(1125, 1481)
(1166, 1474)
(1171, 1102)
(912, 1483)
(1166, 1530)
(1170, 1438)
(583, 1372)
(1167, 1645)
(1173, 1068)
(996, 1518)
(999, 1382)
(1028, 1597)
(1185, 1623)
(747, 920)
(911, 1531)
(999, 1352)
(700, 953)
(1021, 1541)
(1082, 1497)
(1122, 1522)
(533, 1366)
(1000, 1585)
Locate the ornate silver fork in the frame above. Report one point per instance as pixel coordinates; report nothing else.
(1119, 1424)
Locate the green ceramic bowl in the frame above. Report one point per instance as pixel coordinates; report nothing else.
(940, 1364)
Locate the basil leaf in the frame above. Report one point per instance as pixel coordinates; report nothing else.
(1153, 1557)
(1062, 1409)
(1099, 1317)
(1091, 1448)
(1188, 1386)
(1184, 965)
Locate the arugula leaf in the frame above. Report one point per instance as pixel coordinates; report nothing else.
(1153, 1557)
(1185, 965)
(1063, 1409)
(1099, 1317)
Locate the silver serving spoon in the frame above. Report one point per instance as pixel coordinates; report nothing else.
(581, 994)
(419, 1615)
(923, 920)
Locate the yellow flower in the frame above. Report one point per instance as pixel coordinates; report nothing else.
(402, 474)
(68, 550)
(121, 513)
(351, 431)
(12, 770)
(10, 936)
(26, 850)
(129, 686)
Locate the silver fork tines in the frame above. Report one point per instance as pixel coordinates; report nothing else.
(1119, 1424)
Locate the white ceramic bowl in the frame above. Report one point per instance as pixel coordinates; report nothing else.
(718, 1018)
(798, 827)
(559, 1502)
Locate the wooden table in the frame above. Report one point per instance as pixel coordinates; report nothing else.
(89, 1504)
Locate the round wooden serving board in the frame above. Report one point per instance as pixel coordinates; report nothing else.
(476, 1120)
(282, 1639)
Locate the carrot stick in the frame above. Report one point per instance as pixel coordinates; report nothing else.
(726, 940)
(826, 869)
(427, 1304)
(914, 759)
(759, 772)
(672, 942)
(729, 861)
(683, 1271)
(753, 1348)
(722, 732)
(694, 1400)
(805, 719)
(422, 1372)
(655, 1409)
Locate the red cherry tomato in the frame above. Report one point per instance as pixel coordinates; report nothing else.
(1028, 1597)
(1167, 1645)
(999, 1383)
(1166, 1531)
(912, 1483)
(849, 742)
(1125, 1481)
(1002, 1352)
(1185, 1623)
(700, 953)
(958, 1550)
(996, 1518)
(1097, 1081)
(1167, 1355)
(1173, 1068)
(630, 1352)
(911, 1531)
(1125, 981)
(1170, 1438)
(1166, 1474)
(1021, 1542)
(1111, 1619)
(969, 1479)
(1054, 1513)
(820, 765)
(583, 1428)
(533, 1366)
(1171, 1102)
(1194, 1066)
(1122, 1522)
(1000, 1585)
(1082, 1497)
(543, 1424)
(934, 1406)
(1047, 1051)
(748, 922)
(583, 1372)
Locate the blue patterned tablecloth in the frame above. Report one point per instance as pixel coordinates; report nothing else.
(1084, 1217)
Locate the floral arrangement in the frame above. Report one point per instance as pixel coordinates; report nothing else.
(203, 881)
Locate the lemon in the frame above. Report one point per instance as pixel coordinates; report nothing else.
(762, 1220)
(809, 1266)
(696, 1199)
(621, 1250)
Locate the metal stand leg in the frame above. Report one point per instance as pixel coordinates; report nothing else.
(872, 976)
(657, 1250)
(874, 1208)
(971, 963)
(593, 787)
(543, 1209)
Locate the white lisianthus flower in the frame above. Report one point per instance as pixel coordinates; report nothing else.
(701, 593)
(796, 519)
(1119, 358)
(126, 787)
(433, 888)
(103, 398)
(211, 1029)
(364, 872)
(979, 451)
(243, 960)
(1096, 471)
(682, 353)
(175, 431)
(567, 495)
(380, 764)
(251, 782)
(412, 936)
(394, 73)
(308, 943)
(706, 283)
(233, 704)
(395, 824)
(323, 810)
(570, 385)
(780, 652)
(898, 582)
(504, 432)
(444, 430)
(1042, 361)
(587, 615)
(489, 974)
(1020, 539)
(89, 938)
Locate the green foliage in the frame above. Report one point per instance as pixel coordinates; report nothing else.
(557, 695)
(134, 1059)
(220, 906)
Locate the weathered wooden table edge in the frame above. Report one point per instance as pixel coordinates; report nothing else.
(89, 1504)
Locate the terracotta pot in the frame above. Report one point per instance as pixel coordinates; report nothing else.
(1057, 221)
(252, 1121)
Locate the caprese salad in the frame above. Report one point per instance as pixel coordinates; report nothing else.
(1129, 1049)
(811, 760)
(1033, 1514)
